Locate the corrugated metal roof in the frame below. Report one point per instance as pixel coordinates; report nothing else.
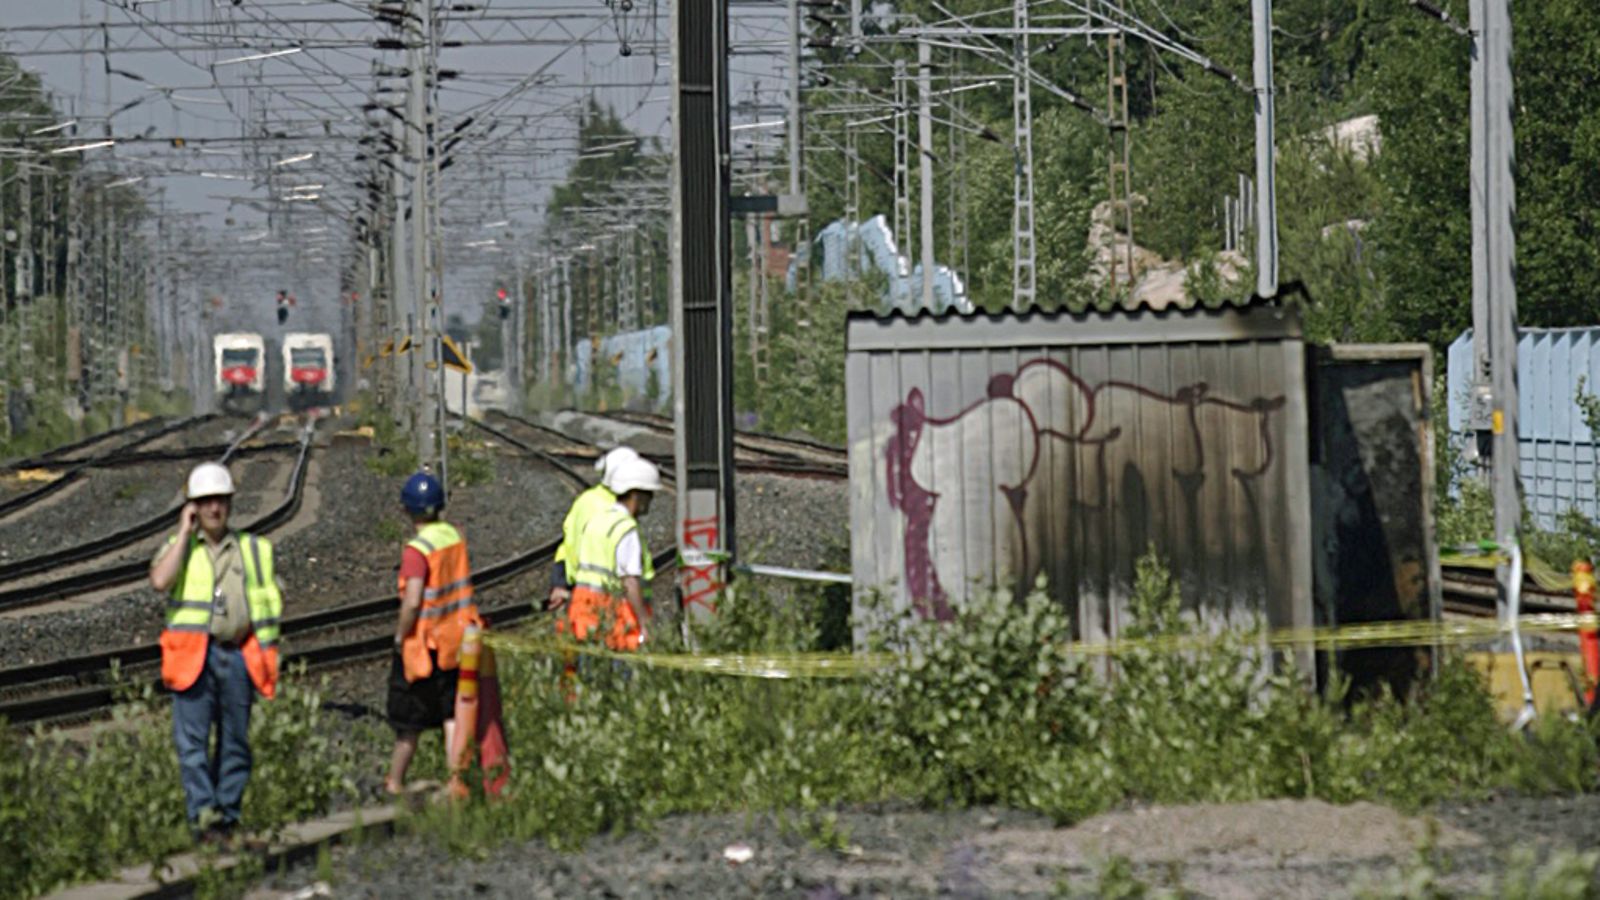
(1289, 294)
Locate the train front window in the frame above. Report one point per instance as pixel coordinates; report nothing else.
(307, 358)
(238, 357)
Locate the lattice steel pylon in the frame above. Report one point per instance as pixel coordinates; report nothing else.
(1119, 169)
(852, 213)
(902, 162)
(1023, 272)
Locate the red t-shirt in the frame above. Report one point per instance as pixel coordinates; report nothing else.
(413, 564)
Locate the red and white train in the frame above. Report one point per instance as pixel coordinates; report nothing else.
(240, 371)
(308, 370)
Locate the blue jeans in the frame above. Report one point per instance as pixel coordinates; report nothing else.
(221, 697)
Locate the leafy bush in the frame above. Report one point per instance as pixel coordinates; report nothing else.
(470, 463)
(990, 708)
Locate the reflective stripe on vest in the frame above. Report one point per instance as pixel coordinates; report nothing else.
(188, 627)
(448, 603)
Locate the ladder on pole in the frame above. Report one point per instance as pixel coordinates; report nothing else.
(1023, 272)
(1120, 160)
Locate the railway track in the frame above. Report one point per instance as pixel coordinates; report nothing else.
(754, 441)
(54, 455)
(1471, 592)
(753, 460)
(80, 686)
(116, 541)
(79, 469)
(132, 570)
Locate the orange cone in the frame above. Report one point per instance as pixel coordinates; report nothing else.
(466, 717)
(493, 755)
(1588, 639)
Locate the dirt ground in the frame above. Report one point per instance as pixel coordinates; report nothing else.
(1279, 848)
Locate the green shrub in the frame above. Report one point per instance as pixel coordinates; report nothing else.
(75, 810)
(989, 709)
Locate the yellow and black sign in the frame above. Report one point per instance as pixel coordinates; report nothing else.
(388, 349)
(405, 345)
(452, 356)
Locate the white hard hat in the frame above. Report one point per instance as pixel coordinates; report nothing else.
(612, 457)
(210, 480)
(636, 474)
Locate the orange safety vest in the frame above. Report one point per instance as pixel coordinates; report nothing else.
(188, 623)
(447, 602)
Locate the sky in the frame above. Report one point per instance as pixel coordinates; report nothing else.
(168, 78)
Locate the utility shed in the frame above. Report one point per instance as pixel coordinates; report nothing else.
(987, 451)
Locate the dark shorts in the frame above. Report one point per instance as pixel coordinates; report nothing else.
(420, 705)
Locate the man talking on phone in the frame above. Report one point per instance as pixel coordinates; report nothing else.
(219, 647)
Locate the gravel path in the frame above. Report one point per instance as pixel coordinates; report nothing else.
(1277, 848)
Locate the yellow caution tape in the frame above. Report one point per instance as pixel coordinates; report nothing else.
(1364, 636)
(744, 665)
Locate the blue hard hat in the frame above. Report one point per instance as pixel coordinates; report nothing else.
(422, 494)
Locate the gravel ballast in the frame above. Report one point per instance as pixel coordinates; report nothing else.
(1274, 848)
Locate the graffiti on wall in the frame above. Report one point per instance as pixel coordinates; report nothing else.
(990, 492)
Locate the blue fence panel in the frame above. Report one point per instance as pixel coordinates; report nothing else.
(637, 355)
(1557, 452)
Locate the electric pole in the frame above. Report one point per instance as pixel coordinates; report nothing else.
(702, 308)
(1494, 287)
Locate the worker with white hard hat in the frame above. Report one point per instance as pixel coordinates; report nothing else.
(219, 647)
(609, 584)
(584, 507)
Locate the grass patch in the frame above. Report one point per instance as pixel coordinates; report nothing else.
(73, 811)
(986, 710)
(390, 531)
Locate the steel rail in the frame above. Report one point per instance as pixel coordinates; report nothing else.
(661, 422)
(140, 457)
(52, 457)
(66, 704)
(119, 539)
(133, 570)
(774, 464)
(78, 471)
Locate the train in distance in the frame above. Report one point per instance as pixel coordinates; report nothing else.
(308, 371)
(240, 371)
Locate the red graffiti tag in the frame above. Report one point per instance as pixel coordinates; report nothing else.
(701, 584)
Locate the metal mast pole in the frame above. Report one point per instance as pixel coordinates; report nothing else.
(852, 214)
(1494, 287)
(1120, 169)
(1022, 244)
(402, 298)
(702, 308)
(925, 164)
(902, 165)
(1266, 190)
(418, 14)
